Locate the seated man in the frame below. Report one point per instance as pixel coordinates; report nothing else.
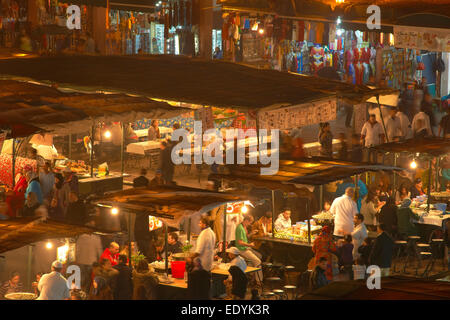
(238, 288)
(283, 221)
(173, 245)
(246, 249)
(111, 253)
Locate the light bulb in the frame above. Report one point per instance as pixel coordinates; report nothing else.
(338, 20)
(114, 211)
(261, 31)
(244, 209)
(49, 245)
(413, 164)
(108, 134)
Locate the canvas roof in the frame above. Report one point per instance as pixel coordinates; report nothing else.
(183, 79)
(170, 204)
(16, 233)
(431, 146)
(305, 172)
(35, 107)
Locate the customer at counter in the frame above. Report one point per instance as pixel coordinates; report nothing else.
(358, 234)
(264, 228)
(417, 189)
(33, 186)
(283, 221)
(323, 248)
(47, 180)
(71, 179)
(153, 131)
(344, 210)
(405, 216)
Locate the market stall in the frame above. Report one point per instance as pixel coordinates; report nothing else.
(295, 177)
(61, 113)
(177, 208)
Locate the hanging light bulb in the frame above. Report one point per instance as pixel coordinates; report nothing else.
(338, 21)
(49, 245)
(244, 209)
(261, 31)
(114, 211)
(413, 164)
(107, 134)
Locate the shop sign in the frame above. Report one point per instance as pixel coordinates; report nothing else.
(430, 39)
(286, 118)
(154, 223)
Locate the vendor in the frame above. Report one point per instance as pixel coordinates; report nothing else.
(416, 189)
(153, 131)
(283, 221)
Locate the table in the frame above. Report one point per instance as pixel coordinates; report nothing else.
(434, 220)
(143, 148)
(224, 272)
(100, 185)
(175, 283)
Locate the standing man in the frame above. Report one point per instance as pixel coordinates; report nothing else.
(405, 124)
(123, 289)
(382, 250)
(71, 179)
(53, 286)
(47, 180)
(247, 249)
(421, 126)
(111, 253)
(393, 125)
(372, 133)
(444, 126)
(358, 234)
(205, 244)
(344, 210)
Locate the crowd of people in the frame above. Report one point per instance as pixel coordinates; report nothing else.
(46, 192)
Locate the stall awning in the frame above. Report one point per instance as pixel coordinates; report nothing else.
(133, 5)
(47, 108)
(170, 204)
(435, 147)
(17, 233)
(305, 172)
(183, 79)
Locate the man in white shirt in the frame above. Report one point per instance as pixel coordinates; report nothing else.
(344, 210)
(88, 250)
(236, 259)
(53, 286)
(358, 234)
(372, 133)
(283, 221)
(206, 242)
(405, 125)
(393, 125)
(421, 124)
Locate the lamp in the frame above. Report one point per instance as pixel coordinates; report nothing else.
(49, 245)
(413, 164)
(107, 134)
(244, 209)
(114, 211)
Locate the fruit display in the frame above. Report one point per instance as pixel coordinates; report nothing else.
(75, 166)
(324, 216)
(20, 296)
(298, 232)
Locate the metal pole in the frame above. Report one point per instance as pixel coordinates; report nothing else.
(30, 257)
(165, 249)
(189, 230)
(429, 186)
(91, 158)
(122, 143)
(382, 119)
(394, 192)
(309, 222)
(224, 247)
(321, 196)
(129, 237)
(436, 181)
(13, 162)
(273, 213)
(70, 146)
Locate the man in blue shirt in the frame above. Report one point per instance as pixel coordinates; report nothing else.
(47, 180)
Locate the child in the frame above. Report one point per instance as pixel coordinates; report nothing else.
(359, 270)
(364, 250)
(345, 252)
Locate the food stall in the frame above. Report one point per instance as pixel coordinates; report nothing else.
(171, 205)
(293, 245)
(57, 112)
(431, 209)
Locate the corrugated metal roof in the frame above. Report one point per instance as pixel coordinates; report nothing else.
(429, 146)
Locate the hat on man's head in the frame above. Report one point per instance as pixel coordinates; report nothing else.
(234, 251)
(57, 265)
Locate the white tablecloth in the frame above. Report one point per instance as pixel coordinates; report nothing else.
(141, 147)
(431, 219)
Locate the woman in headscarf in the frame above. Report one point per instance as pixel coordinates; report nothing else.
(324, 246)
(153, 131)
(405, 217)
(34, 186)
(101, 290)
(60, 200)
(16, 198)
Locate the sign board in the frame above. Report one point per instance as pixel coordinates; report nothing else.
(286, 118)
(431, 39)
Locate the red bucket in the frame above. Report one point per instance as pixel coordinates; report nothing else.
(178, 268)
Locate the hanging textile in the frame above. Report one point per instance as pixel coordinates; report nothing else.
(319, 32)
(301, 31)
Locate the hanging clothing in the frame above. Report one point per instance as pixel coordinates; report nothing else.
(300, 31)
(319, 32)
